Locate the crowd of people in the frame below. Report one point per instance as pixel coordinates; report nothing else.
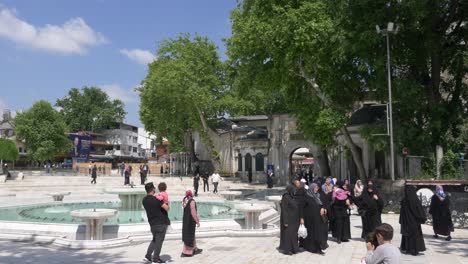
(326, 208)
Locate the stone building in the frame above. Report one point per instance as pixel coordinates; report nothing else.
(248, 144)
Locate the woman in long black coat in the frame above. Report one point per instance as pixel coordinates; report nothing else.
(370, 208)
(341, 223)
(316, 229)
(440, 211)
(289, 221)
(412, 215)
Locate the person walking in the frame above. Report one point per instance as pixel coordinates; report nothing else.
(196, 183)
(145, 171)
(94, 174)
(215, 179)
(122, 169)
(270, 176)
(440, 211)
(128, 173)
(142, 176)
(158, 219)
(90, 168)
(412, 215)
(189, 221)
(206, 186)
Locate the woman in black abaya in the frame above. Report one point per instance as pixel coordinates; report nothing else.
(440, 211)
(370, 208)
(341, 223)
(317, 230)
(289, 221)
(412, 215)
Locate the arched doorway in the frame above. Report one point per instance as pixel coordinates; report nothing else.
(248, 166)
(302, 164)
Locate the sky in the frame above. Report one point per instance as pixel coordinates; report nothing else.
(50, 46)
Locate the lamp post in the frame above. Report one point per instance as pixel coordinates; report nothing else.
(386, 32)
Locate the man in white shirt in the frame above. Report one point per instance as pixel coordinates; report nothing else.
(215, 178)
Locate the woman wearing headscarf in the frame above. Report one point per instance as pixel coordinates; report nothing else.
(317, 229)
(370, 208)
(341, 225)
(358, 189)
(440, 211)
(289, 221)
(189, 221)
(412, 215)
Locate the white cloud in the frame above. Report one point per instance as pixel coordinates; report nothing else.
(73, 37)
(141, 56)
(114, 91)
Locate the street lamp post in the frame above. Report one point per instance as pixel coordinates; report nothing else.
(386, 32)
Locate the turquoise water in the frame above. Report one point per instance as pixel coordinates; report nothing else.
(60, 212)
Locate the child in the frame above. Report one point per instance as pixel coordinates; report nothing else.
(162, 195)
(385, 253)
(339, 194)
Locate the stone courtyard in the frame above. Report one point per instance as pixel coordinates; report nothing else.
(218, 249)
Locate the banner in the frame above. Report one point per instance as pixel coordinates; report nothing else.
(81, 145)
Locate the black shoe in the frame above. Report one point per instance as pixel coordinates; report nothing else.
(338, 242)
(448, 238)
(197, 251)
(435, 236)
(185, 255)
(345, 240)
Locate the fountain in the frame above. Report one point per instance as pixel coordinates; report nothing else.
(277, 200)
(252, 212)
(94, 219)
(130, 198)
(230, 195)
(58, 196)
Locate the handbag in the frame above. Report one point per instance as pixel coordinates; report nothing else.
(302, 232)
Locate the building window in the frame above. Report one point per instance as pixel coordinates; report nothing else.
(129, 149)
(117, 147)
(259, 162)
(20, 150)
(239, 162)
(135, 149)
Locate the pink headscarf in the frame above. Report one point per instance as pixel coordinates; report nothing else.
(188, 196)
(339, 194)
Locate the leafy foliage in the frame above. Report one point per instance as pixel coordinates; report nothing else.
(8, 150)
(90, 109)
(43, 130)
(184, 81)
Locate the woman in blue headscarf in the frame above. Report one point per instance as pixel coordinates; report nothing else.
(440, 211)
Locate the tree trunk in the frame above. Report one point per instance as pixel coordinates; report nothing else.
(208, 133)
(323, 162)
(355, 153)
(190, 145)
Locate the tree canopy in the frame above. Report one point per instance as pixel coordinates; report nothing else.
(184, 86)
(43, 130)
(90, 109)
(8, 150)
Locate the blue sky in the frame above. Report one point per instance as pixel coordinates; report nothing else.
(50, 46)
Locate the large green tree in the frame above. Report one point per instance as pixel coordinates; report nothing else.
(326, 57)
(43, 131)
(8, 150)
(182, 90)
(295, 47)
(90, 109)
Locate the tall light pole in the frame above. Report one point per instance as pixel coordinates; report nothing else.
(386, 32)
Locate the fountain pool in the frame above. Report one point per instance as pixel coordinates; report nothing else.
(60, 212)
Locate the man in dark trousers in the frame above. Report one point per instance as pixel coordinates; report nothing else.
(196, 183)
(157, 213)
(94, 174)
(206, 186)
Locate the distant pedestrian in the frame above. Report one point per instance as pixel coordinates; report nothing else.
(196, 183)
(128, 174)
(440, 211)
(122, 169)
(156, 212)
(270, 176)
(206, 186)
(104, 170)
(142, 177)
(90, 168)
(145, 172)
(215, 178)
(94, 174)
